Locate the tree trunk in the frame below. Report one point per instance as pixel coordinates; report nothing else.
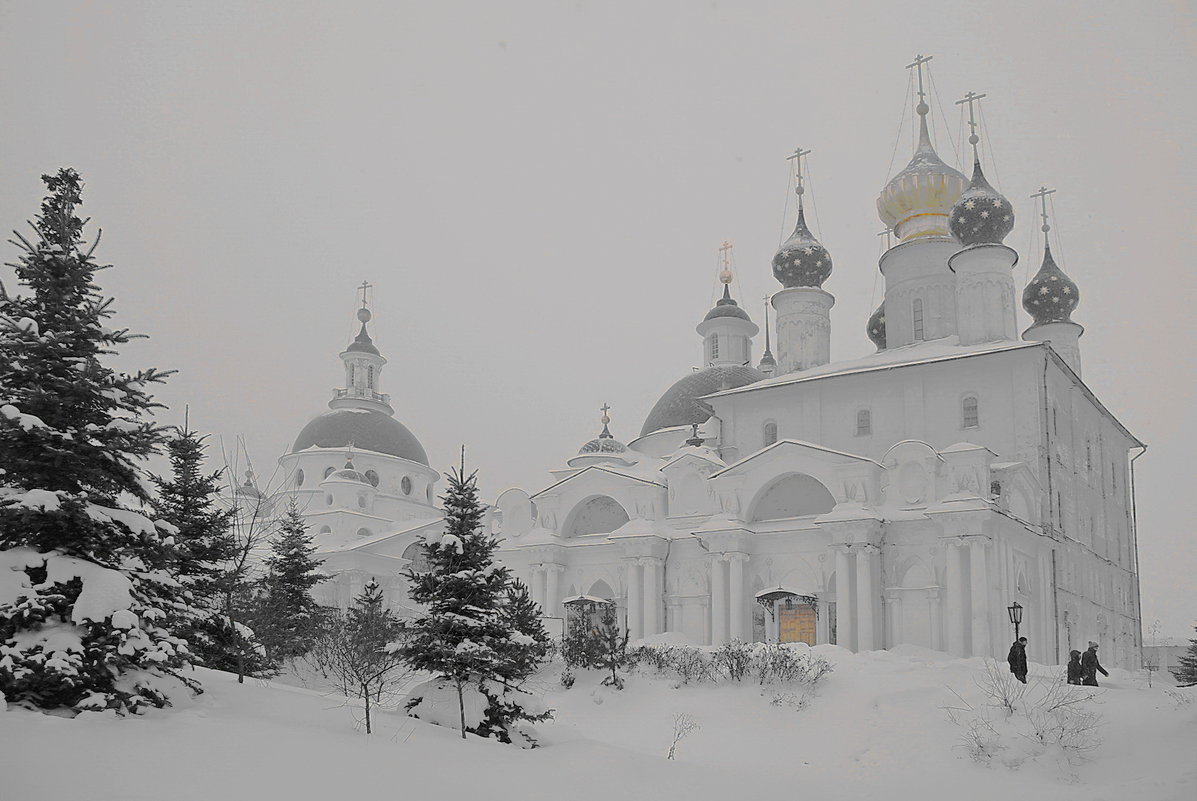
(228, 609)
(461, 707)
(366, 695)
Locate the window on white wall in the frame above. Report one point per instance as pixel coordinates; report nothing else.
(370, 376)
(969, 412)
(714, 347)
(918, 319)
(864, 423)
(770, 433)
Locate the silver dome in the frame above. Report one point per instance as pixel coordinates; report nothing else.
(365, 430)
(679, 405)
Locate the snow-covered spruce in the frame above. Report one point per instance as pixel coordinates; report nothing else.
(466, 636)
(87, 599)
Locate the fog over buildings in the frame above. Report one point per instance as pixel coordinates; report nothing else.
(538, 192)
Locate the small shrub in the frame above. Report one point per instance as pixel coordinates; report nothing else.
(735, 660)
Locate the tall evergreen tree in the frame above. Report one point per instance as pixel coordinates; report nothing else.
(529, 640)
(463, 636)
(1186, 670)
(87, 605)
(289, 618)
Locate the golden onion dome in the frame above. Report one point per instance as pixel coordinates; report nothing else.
(917, 201)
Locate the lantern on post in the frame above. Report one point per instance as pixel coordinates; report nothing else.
(1015, 611)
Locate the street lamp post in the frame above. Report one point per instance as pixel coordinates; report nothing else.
(1015, 611)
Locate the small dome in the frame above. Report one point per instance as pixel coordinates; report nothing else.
(876, 327)
(248, 489)
(1051, 296)
(679, 406)
(801, 260)
(602, 444)
(726, 307)
(916, 202)
(362, 342)
(349, 473)
(364, 429)
(982, 215)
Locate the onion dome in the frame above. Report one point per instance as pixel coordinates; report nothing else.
(604, 442)
(362, 342)
(802, 260)
(876, 327)
(726, 307)
(349, 473)
(916, 202)
(982, 216)
(1051, 296)
(680, 405)
(364, 429)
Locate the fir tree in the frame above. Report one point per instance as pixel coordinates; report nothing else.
(529, 640)
(87, 605)
(463, 636)
(1186, 671)
(205, 544)
(289, 617)
(613, 652)
(359, 650)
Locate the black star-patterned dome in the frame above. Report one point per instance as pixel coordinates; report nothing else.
(876, 327)
(1051, 296)
(981, 216)
(802, 260)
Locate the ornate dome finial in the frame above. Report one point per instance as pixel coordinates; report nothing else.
(362, 342)
(768, 364)
(801, 261)
(605, 442)
(726, 306)
(982, 215)
(916, 201)
(1051, 296)
(876, 327)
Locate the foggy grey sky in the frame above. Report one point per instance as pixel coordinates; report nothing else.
(537, 192)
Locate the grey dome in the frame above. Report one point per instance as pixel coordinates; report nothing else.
(981, 215)
(349, 473)
(362, 343)
(365, 430)
(726, 307)
(679, 405)
(607, 444)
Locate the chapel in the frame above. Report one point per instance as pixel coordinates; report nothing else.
(923, 494)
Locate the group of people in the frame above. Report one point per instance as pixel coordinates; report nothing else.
(1082, 669)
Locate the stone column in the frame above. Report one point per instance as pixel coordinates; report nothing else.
(935, 610)
(803, 328)
(845, 618)
(822, 620)
(866, 628)
(635, 600)
(955, 599)
(982, 644)
(707, 627)
(652, 595)
(538, 585)
(552, 601)
(735, 564)
(718, 601)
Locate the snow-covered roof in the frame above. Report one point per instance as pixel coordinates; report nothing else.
(586, 599)
(331, 543)
(604, 469)
(783, 443)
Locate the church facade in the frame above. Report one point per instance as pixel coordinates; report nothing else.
(910, 496)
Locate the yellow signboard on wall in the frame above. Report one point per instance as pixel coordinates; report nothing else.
(797, 624)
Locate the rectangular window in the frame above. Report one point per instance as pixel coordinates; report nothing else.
(970, 414)
(918, 319)
(864, 423)
(714, 348)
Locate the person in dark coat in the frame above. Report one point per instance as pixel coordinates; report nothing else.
(1018, 659)
(1075, 672)
(1090, 666)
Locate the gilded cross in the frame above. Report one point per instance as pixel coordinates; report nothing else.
(725, 252)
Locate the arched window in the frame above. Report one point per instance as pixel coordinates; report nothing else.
(969, 413)
(770, 434)
(325, 530)
(363, 532)
(328, 471)
(918, 318)
(713, 347)
(361, 501)
(372, 477)
(417, 554)
(328, 499)
(370, 376)
(792, 495)
(405, 485)
(864, 423)
(352, 373)
(597, 515)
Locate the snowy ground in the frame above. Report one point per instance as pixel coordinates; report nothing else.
(874, 729)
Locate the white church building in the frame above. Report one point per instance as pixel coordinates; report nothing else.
(910, 496)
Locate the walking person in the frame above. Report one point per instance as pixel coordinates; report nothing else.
(1090, 666)
(1018, 659)
(1075, 671)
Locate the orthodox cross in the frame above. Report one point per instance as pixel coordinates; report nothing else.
(725, 253)
(919, 61)
(796, 157)
(973, 139)
(1042, 196)
(605, 408)
(365, 285)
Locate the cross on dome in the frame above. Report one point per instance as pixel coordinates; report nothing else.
(973, 139)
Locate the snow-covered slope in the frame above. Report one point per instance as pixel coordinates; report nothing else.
(876, 728)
